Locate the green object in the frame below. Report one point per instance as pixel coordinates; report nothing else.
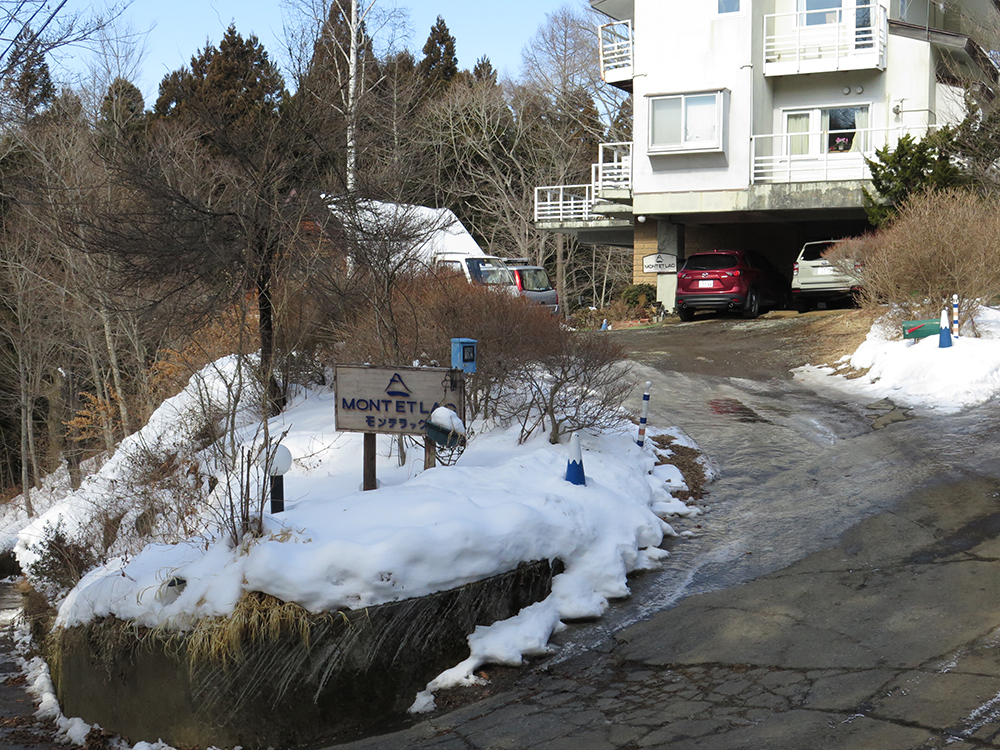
(442, 437)
(919, 329)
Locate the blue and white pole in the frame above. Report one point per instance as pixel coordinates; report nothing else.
(954, 315)
(645, 413)
(574, 467)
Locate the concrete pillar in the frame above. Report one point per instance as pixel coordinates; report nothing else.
(669, 241)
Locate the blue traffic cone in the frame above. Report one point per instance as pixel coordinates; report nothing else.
(574, 469)
(945, 340)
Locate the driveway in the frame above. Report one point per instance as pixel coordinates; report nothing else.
(842, 589)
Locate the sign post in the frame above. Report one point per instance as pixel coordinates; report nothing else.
(395, 401)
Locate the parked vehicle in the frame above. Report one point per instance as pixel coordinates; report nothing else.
(478, 269)
(534, 284)
(816, 278)
(738, 280)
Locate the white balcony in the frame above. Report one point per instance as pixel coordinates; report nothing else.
(821, 156)
(612, 174)
(564, 203)
(826, 40)
(616, 52)
(610, 185)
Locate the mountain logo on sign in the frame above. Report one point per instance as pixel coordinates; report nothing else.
(397, 388)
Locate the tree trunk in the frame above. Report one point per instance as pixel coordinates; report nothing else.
(25, 420)
(265, 311)
(561, 267)
(115, 372)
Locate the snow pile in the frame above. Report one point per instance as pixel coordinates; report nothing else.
(423, 531)
(917, 372)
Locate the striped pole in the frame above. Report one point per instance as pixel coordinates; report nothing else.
(954, 316)
(645, 413)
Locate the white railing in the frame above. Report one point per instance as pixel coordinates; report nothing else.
(612, 171)
(564, 203)
(773, 160)
(614, 167)
(616, 50)
(825, 40)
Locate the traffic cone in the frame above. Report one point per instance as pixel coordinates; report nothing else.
(945, 339)
(574, 468)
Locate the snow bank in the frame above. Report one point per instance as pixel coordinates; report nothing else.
(917, 372)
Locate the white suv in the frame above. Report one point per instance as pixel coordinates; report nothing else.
(817, 278)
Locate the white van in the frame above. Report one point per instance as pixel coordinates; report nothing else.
(478, 269)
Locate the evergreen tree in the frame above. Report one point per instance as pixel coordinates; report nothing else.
(910, 167)
(122, 113)
(484, 72)
(229, 92)
(439, 65)
(29, 85)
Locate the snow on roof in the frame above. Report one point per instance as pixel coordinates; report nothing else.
(436, 231)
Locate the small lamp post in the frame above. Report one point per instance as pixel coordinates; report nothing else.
(279, 461)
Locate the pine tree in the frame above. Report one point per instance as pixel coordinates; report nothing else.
(29, 86)
(484, 72)
(122, 114)
(230, 92)
(439, 65)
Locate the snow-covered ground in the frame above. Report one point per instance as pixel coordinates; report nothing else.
(918, 372)
(335, 546)
(424, 531)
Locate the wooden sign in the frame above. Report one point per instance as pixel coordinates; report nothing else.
(396, 400)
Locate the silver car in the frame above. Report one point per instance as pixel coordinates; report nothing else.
(818, 278)
(533, 282)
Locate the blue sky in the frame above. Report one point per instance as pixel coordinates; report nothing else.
(498, 30)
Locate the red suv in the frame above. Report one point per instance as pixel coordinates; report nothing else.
(738, 280)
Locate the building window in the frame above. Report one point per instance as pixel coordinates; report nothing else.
(729, 6)
(686, 122)
(819, 12)
(833, 130)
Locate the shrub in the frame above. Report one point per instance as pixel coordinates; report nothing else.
(941, 243)
(639, 295)
(530, 368)
(60, 562)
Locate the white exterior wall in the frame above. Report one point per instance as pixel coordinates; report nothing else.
(686, 47)
(698, 50)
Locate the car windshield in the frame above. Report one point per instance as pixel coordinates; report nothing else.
(711, 262)
(534, 280)
(490, 271)
(815, 250)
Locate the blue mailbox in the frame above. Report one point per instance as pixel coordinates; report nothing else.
(463, 355)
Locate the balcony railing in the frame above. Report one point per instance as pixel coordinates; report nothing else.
(613, 170)
(616, 51)
(564, 203)
(819, 41)
(775, 161)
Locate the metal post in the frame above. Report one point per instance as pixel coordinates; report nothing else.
(369, 481)
(645, 413)
(277, 494)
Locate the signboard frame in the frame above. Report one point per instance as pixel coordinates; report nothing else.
(394, 400)
(659, 263)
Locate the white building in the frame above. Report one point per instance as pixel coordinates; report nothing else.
(753, 118)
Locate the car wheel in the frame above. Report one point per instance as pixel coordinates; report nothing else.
(686, 314)
(752, 309)
(802, 305)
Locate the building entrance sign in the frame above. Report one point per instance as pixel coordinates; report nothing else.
(395, 400)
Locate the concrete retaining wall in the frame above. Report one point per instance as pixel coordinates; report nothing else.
(359, 672)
